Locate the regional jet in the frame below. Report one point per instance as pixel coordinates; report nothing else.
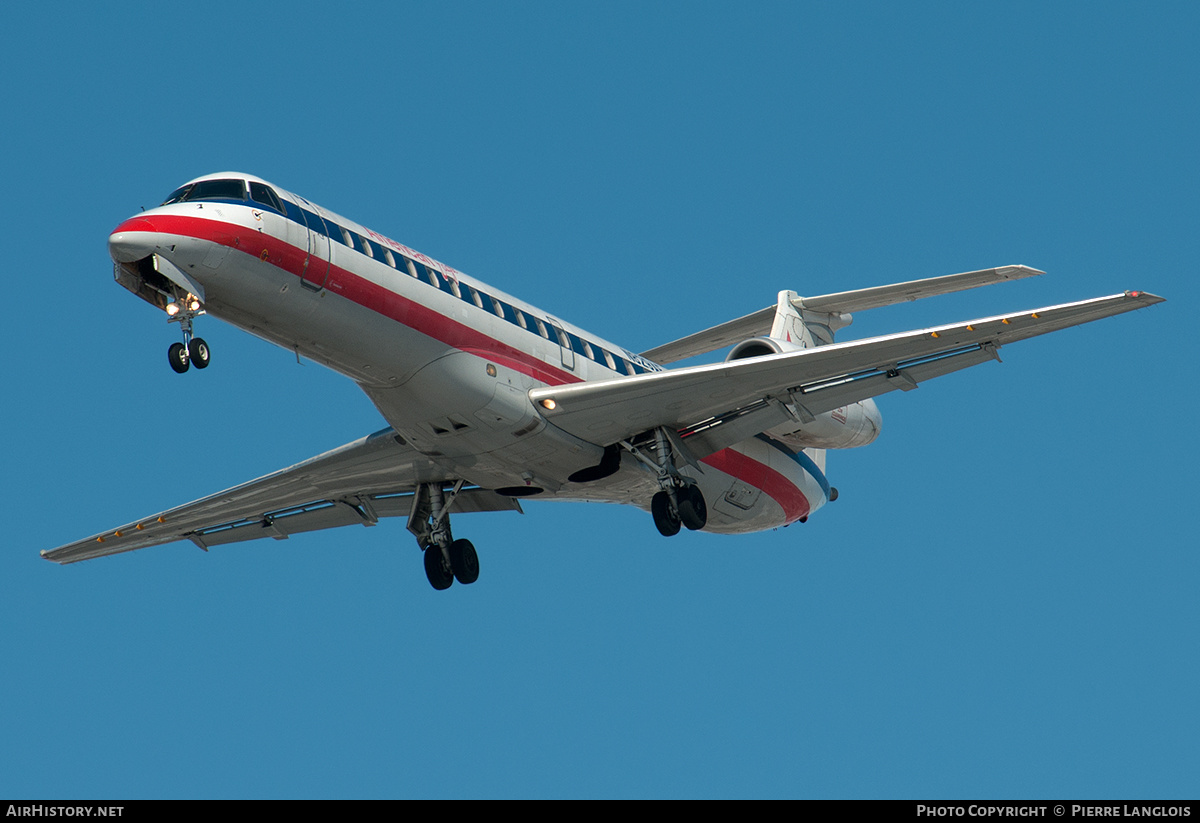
(490, 400)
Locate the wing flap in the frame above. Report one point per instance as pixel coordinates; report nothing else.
(609, 411)
(721, 432)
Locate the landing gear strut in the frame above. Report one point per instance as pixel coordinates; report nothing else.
(193, 351)
(446, 559)
(679, 501)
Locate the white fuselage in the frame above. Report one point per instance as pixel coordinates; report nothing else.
(447, 359)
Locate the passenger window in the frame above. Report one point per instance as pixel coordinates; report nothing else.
(428, 275)
(387, 256)
(410, 266)
(541, 328)
(521, 318)
(365, 245)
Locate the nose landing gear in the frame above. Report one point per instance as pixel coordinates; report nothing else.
(193, 351)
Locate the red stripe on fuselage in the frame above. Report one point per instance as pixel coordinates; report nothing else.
(761, 476)
(357, 289)
(426, 320)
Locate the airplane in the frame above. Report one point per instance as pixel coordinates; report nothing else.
(490, 400)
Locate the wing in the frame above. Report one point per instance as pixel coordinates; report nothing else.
(717, 405)
(358, 483)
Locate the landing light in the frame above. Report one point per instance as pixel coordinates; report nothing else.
(548, 404)
(194, 305)
(172, 309)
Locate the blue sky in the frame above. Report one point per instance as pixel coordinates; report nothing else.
(1002, 602)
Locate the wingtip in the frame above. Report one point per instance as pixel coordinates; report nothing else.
(1145, 297)
(1017, 271)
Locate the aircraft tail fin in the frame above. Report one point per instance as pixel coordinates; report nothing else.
(801, 326)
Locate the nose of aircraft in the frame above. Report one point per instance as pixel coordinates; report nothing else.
(132, 240)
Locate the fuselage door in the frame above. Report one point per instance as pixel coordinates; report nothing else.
(564, 343)
(316, 260)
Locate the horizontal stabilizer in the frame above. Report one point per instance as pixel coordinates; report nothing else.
(758, 323)
(879, 296)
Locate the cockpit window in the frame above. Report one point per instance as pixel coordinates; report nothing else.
(264, 194)
(209, 190)
(178, 195)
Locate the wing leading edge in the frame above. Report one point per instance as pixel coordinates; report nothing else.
(722, 403)
(360, 482)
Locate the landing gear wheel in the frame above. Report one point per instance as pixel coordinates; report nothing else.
(177, 355)
(693, 511)
(464, 561)
(666, 519)
(198, 352)
(440, 577)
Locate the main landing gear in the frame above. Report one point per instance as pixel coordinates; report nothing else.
(687, 509)
(446, 559)
(679, 501)
(193, 351)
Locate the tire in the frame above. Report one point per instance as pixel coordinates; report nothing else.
(439, 576)
(198, 353)
(464, 561)
(665, 520)
(693, 511)
(177, 356)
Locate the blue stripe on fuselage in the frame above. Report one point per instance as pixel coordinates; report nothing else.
(805, 462)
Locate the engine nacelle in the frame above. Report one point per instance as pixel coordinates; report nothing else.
(846, 428)
(759, 346)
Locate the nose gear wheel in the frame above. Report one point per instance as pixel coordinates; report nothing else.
(193, 351)
(177, 356)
